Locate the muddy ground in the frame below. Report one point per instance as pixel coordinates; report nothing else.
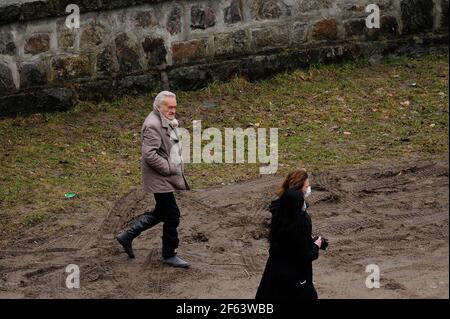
(395, 216)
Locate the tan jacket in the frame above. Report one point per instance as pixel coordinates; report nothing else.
(161, 163)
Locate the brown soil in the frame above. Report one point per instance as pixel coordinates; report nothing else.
(394, 216)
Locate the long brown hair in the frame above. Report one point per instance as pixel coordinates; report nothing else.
(295, 179)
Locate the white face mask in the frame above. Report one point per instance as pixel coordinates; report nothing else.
(308, 192)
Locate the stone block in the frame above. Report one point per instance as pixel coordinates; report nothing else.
(106, 62)
(6, 79)
(32, 74)
(231, 43)
(417, 16)
(173, 24)
(270, 37)
(269, 9)
(325, 30)
(127, 54)
(37, 43)
(155, 50)
(188, 51)
(71, 67)
(92, 36)
(7, 45)
(202, 17)
(233, 13)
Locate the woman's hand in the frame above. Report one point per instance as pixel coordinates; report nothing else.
(318, 242)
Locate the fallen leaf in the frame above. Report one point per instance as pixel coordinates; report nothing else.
(405, 103)
(335, 127)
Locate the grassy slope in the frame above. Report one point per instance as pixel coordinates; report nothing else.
(93, 150)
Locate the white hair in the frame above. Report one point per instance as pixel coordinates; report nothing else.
(159, 99)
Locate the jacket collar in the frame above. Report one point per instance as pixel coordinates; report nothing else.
(165, 123)
(164, 120)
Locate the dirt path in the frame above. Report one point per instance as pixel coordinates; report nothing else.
(395, 217)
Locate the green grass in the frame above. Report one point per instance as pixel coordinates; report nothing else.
(328, 116)
(33, 219)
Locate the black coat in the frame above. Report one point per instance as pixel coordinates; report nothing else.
(288, 273)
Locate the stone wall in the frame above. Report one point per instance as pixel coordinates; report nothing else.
(135, 46)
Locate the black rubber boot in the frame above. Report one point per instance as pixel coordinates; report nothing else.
(125, 238)
(176, 261)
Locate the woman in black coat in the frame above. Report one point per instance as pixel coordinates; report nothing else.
(288, 273)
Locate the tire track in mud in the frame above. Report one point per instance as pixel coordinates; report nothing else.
(394, 180)
(330, 183)
(153, 277)
(147, 277)
(365, 229)
(99, 238)
(125, 211)
(14, 252)
(400, 177)
(121, 213)
(243, 216)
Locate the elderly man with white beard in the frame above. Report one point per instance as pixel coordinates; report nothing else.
(162, 174)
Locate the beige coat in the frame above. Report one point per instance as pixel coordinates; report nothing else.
(161, 163)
